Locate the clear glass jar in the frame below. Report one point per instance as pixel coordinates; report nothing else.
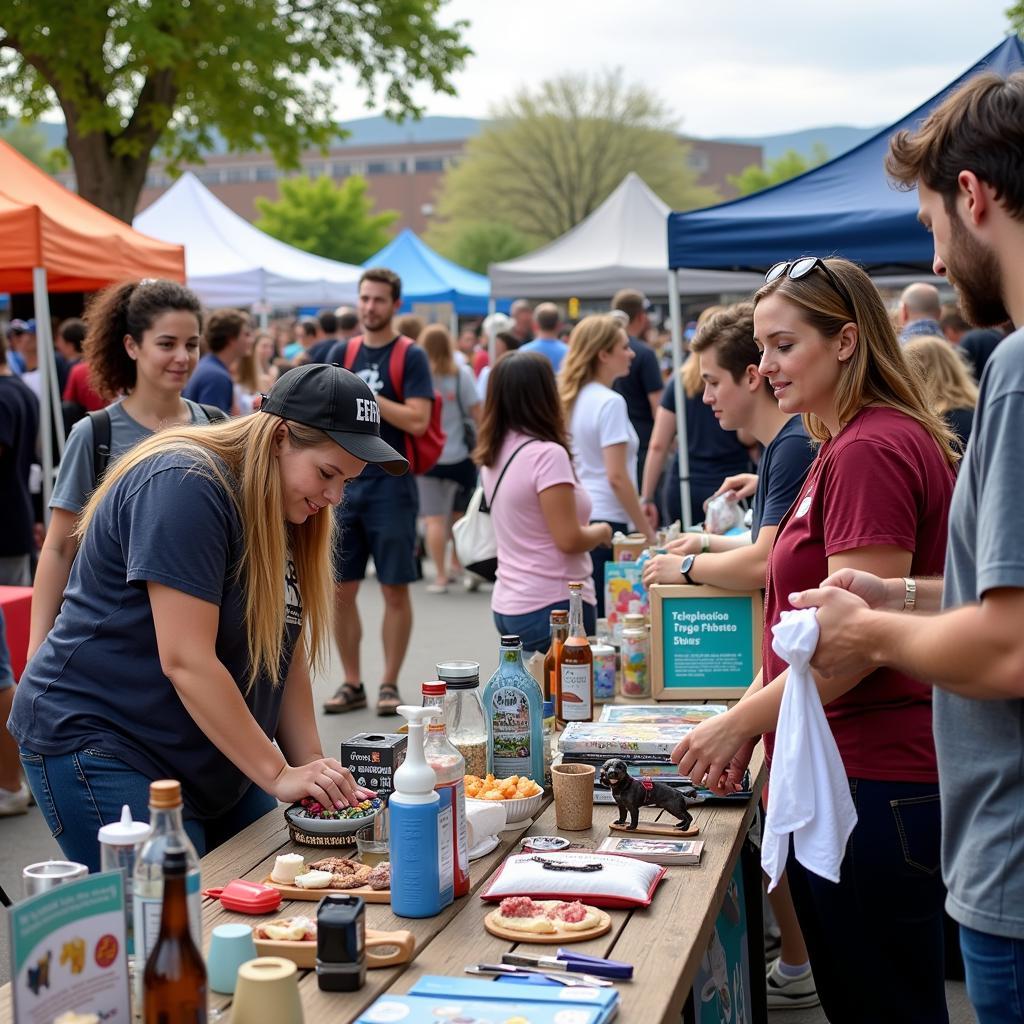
(464, 716)
(636, 678)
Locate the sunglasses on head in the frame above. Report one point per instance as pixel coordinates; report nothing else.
(796, 269)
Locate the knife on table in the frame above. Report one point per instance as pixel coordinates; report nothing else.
(563, 977)
(572, 962)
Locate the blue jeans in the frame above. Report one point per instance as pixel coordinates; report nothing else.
(995, 976)
(534, 628)
(887, 906)
(79, 792)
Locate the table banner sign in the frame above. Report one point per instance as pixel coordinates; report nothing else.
(705, 642)
(69, 952)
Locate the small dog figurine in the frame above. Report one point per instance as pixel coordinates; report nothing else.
(631, 794)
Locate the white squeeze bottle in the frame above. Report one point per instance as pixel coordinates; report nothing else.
(148, 889)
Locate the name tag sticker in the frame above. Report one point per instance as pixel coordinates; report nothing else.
(805, 505)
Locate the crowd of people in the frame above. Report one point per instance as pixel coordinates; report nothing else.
(304, 453)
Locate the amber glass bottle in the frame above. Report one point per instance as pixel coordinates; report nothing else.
(574, 696)
(174, 985)
(559, 631)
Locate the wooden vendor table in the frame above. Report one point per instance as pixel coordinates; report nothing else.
(665, 942)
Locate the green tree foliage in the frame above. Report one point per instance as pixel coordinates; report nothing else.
(789, 165)
(1015, 12)
(30, 142)
(552, 154)
(478, 244)
(129, 76)
(336, 221)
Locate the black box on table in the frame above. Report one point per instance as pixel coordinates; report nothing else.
(373, 758)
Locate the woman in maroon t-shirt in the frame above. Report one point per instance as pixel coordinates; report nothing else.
(876, 498)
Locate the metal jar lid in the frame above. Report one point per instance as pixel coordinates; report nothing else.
(459, 675)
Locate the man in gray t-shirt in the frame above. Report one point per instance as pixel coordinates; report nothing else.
(965, 159)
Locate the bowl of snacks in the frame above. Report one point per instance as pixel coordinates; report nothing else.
(312, 817)
(518, 794)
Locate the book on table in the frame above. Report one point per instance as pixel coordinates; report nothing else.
(669, 852)
(662, 714)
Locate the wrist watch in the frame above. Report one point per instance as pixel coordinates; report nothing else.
(685, 567)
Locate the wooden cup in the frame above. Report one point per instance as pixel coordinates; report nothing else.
(573, 786)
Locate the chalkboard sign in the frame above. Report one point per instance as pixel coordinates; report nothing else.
(705, 642)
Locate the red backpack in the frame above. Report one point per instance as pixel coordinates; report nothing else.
(423, 451)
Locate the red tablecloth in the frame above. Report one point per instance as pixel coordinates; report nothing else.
(16, 603)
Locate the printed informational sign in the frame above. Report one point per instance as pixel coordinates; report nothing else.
(705, 642)
(68, 951)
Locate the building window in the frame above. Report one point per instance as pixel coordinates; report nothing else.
(237, 174)
(266, 173)
(384, 167)
(209, 175)
(697, 160)
(341, 170)
(429, 164)
(314, 170)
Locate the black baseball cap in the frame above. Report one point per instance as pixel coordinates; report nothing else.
(339, 403)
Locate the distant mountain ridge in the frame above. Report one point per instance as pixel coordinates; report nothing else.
(837, 139)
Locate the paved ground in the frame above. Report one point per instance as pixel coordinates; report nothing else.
(456, 625)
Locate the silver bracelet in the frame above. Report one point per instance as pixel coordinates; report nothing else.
(910, 594)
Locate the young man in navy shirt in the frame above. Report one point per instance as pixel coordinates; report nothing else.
(229, 336)
(378, 516)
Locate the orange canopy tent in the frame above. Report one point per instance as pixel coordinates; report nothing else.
(54, 240)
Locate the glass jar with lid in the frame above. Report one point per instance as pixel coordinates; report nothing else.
(464, 713)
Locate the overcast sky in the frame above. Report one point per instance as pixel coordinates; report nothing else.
(727, 67)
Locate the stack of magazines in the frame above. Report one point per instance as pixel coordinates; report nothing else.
(642, 735)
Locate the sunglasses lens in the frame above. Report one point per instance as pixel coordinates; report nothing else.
(776, 272)
(802, 267)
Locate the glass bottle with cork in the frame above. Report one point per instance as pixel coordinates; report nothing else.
(514, 706)
(559, 631)
(174, 981)
(450, 768)
(574, 696)
(464, 713)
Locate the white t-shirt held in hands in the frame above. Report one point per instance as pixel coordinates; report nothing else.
(600, 419)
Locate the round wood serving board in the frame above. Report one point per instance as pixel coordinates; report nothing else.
(295, 892)
(560, 935)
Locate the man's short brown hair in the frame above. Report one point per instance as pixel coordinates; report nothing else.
(730, 332)
(547, 316)
(384, 276)
(978, 128)
(630, 301)
(223, 327)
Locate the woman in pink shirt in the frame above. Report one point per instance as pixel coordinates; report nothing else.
(539, 511)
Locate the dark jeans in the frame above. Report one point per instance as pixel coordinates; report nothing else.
(79, 792)
(885, 912)
(995, 976)
(534, 628)
(599, 556)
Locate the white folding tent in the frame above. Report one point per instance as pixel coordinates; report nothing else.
(622, 244)
(228, 262)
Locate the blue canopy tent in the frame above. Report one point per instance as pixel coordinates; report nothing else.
(844, 207)
(429, 278)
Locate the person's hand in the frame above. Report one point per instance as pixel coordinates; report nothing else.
(662, 569)
(606, 535)
(742, 485)
(651, 512)
(713, 753)
(324, 779)
(872, 590)
(687, 544)
(844, 643)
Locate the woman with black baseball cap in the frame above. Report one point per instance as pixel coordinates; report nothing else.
(201, 596)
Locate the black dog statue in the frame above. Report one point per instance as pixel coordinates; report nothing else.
(631, 794)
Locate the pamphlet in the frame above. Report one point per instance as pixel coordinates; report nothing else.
(656, 851)
(69, 951)
(664, 714)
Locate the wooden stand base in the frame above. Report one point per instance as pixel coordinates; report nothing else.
(650, 828)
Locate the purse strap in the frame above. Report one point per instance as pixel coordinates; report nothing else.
(485, 505)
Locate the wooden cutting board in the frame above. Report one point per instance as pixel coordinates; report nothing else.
(295, 892)
(560, 935)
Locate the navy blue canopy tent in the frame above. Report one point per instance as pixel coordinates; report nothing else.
(429, 278)
(846, 207)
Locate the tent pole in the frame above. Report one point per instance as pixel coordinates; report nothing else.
(492, 344)
(676, 316)
(454, 324)
(50, 415)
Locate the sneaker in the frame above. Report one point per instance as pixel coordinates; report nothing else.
(790, 993)
(14, 801)
(437, 588)
(471, 583)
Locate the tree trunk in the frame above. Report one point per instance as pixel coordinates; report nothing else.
(113, 183)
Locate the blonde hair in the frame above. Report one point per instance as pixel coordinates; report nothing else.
(590, 337)
(693, 383)
(942, 373)
(239, 455)
(876, 373)
(437, 343)
(247, 372)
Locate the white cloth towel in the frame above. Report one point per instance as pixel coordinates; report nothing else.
(808, 792)
(483, 819)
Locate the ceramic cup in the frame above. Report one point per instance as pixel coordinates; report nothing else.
(267, 992)
(230, 946)
(573, 786)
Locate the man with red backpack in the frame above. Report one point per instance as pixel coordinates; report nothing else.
(378, 516)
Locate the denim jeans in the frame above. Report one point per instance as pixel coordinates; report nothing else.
(886, 907)
(79, 792)
(995, 976)
(534, 628)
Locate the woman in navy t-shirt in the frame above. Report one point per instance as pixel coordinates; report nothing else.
(201, 594)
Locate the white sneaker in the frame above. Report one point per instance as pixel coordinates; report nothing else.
(471, 583)
(790, 993)
(14, 801)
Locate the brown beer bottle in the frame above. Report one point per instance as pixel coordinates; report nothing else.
(174, 985)
(574, 694)
(559, 631)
